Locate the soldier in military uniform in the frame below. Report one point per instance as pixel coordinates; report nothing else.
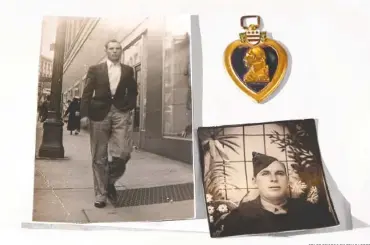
(273, 210)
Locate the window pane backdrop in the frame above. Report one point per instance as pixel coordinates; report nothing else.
(249, 139)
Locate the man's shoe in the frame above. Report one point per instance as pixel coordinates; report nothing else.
(112, 193)
(99, 204)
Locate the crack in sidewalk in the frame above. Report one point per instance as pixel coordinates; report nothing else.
(87, 217)
(46, 181)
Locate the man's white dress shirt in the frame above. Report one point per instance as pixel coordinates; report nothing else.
(114, 73)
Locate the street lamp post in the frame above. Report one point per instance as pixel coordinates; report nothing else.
(52, 139)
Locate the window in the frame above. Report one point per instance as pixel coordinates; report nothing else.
(138, 100)
(132, 56)
(239, 171)
(77, 90)
(177, 106)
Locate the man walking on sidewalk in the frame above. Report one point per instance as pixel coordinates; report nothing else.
(107, 102)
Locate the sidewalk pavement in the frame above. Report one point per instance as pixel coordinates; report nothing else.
(63, 190)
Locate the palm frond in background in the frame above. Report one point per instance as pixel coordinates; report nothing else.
(297, 144)
(216, 169)
(214, 145)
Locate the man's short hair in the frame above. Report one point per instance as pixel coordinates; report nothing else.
(112, 41)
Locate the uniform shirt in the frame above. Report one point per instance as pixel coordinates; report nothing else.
(252, 218)
(276, 209)
(114, 73)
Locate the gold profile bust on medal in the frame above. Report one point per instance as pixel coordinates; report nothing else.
(256, 63)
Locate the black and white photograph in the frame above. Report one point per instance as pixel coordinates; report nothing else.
(264, 178)
(114, 120)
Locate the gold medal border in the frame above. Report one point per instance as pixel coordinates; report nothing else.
(276, 79)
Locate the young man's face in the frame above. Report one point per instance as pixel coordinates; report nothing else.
(114, 51)
(272, 182)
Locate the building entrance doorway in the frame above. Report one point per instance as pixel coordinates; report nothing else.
(136, 113)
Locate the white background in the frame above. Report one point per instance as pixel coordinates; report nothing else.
(328, 81)
(329, 45)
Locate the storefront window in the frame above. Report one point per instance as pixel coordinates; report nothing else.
(132, 56)
(177, 108)
(77, 90)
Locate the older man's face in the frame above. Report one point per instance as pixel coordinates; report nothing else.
(272, 182)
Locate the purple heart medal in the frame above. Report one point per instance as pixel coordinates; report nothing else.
(256, 63)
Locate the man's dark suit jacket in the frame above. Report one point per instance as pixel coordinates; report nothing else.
(97, 80)
(251, 218)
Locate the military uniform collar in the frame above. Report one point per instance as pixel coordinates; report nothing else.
(275, 209)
